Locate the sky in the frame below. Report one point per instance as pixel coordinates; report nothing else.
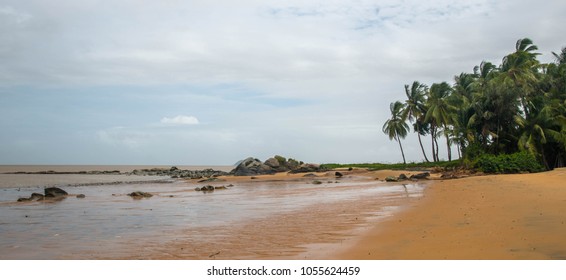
(213, 82)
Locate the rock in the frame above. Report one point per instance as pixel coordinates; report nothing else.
(310, 175)
(23, 199)
(338, 174)
(309, 167)
(138, 194)
(402, 177)
(54, 192)
(420, 176)
(36, 196)
(252, 166)
(272, 162)
(81, 196)
(220, 188)
(316, 182)
(391, 179)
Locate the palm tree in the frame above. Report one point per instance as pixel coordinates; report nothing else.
(415, 108)
(396, 127)
(439, 114)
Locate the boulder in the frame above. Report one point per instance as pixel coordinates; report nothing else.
(338, 174)
(307, 168)
(138, 194)
(54, 192)
(36, 196)
(402, 177)
(420, 176)
(252, 166)
(272, 162)
(391, 179)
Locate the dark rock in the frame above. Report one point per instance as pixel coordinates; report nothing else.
(81, 196)
(36, 196)
(306, 168)
(220, 188)
(252, 166)
(402, 177)
(310, 175)
(316, 182)
(338, 174)
(54, 192)
(23, 199)
(420, 176)
(138, 194)
(390, 179)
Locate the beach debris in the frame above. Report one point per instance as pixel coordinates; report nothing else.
(391, 179)
(54, 192)
(338, 174)
(420, 176)
(138, 195)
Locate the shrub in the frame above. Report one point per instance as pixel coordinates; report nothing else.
(508, 163)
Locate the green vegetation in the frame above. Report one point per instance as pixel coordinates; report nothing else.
(394, 166)
(500, 118)
(508, 163)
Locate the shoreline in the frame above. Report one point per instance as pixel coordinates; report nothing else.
(491, 217)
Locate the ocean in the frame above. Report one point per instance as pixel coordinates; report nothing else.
(249, 220)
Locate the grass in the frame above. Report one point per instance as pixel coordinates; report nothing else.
(395, 166)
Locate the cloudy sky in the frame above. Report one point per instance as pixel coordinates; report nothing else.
(211, 82)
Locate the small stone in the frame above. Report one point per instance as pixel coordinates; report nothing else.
(81, 196)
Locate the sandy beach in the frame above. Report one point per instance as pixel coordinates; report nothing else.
(483, 217)
(288, 216)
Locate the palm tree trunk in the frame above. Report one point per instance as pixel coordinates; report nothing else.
(422, 148)
(432, 141)
(448, 146)
(400, 146)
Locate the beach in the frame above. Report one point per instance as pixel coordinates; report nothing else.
(509, 217)
(292, 216)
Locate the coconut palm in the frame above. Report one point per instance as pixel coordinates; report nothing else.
(396, 127)
(415, 108)
(439, 114)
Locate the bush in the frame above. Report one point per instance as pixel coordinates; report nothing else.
(508, 163)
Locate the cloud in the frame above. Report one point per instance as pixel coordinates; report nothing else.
(180, 120)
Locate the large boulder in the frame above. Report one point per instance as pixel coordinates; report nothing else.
(252, 166)
(272, 162)
(54, 192)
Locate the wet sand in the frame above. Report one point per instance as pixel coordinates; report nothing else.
(484, 217)
(282, 216)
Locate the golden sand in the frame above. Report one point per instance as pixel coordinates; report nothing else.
(483, 217)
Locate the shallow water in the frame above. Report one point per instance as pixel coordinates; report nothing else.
(109, 224)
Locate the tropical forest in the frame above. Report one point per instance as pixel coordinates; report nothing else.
(505, 118)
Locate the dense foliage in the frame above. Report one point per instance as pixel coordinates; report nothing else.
(517, 108)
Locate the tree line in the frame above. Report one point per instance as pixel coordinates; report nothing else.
(518, 106)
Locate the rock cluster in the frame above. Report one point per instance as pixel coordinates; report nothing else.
(209, 188)
(49, 193)
(175, 172)
(253, 166)
(403, 177)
